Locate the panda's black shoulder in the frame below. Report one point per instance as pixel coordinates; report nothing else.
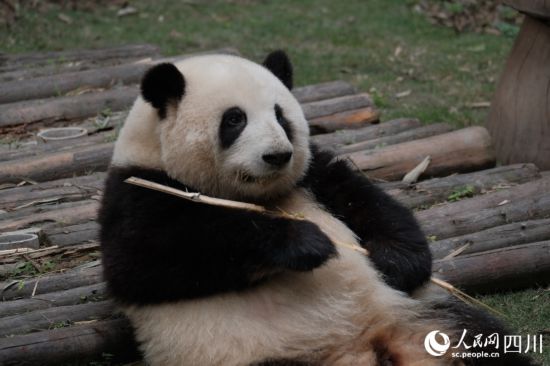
(129, 206)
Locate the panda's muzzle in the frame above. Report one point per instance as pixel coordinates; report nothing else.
(277, 160)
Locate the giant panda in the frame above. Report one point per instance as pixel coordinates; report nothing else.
(210, 285)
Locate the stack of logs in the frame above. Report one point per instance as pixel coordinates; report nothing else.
(489, 226)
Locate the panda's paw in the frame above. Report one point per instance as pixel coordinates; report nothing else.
(308, 248)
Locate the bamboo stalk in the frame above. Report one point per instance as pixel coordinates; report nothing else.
(197, 197)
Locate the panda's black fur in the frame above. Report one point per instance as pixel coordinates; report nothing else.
(158, 249)
(223, 254)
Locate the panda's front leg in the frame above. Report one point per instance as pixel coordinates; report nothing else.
(148, 236)
(389, 231)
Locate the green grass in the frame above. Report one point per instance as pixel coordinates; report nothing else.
(380, 46)
(528, 313)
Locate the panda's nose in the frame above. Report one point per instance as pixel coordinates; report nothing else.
(277, 160)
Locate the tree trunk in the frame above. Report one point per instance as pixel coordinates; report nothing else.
(436, 190)
(71, 279)
(519, 120)
(73, 296)
(80, 344)
(509, 268)
(408, 135)
(527, 201)
(56, 317)
(346, 137)
(459, 151)
(494, 238)
(344, 120)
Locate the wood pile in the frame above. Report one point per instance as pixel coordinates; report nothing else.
(488, 226)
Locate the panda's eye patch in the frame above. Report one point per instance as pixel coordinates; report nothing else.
(283, 121)
(234, 117)
(279, 114)
(232, 125)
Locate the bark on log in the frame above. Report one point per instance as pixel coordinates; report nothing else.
(57, 165)
(55, 85)
(71, 279)
(105, 77)
(346, 137)
(69, 214)
(407, 135)
(62, 190)
(66, 108)
(335, 105)
(69, 235)
(327, 90)
(527, 201)
(344, 120)
(60, 316)
(494, 238)
(73, 296)
(63, 164)
(90, 104)
(47, 70)
(39, 149)
(33, 59)
(436, 190)
(77, 344)
(510, 268)
(459, 151)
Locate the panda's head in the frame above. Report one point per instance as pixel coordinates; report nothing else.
(220, 124)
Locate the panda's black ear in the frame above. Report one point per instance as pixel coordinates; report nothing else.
(163, 85)
(279, 64)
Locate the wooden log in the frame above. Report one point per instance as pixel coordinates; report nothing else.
(436, 190)
(83, 65)
(66, 108)
(519, 119)
(55, 85)
(503, 236)
(526, 201)
(73, 296)
(105, 77)
(38, 149)
(69, 235)
(71, 279)
(70, 254)
(57, 165)
(335, 105)
(10, 62)
(48, 70)
(509, 268)
(68, 214)
(56, 191)
(460, 151)
(73, 345)
(327, 90)
(68, 163)
(407, 135)
(56, 317)
(346, 137)
(344, 120)
(90, 104)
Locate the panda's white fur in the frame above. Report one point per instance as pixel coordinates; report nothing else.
(185, 144)
(293, 316)
(331, 314)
